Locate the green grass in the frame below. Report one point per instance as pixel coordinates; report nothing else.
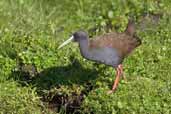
(16, 100)
(35, 77)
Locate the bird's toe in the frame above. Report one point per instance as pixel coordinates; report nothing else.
(110, 91)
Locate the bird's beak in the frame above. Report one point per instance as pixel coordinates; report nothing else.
(66, 42)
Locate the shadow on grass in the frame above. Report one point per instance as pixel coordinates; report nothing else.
(55, 77)
(64, 75)
(74, 73)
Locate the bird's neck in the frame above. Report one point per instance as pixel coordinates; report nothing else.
(83, 44)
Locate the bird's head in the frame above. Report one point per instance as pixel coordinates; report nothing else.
(76, 37)
(80, 35)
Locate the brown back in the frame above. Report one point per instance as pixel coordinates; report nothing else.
(124, 42)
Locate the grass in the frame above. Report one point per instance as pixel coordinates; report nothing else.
(35, 77)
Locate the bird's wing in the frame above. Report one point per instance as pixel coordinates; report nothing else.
(122, 42)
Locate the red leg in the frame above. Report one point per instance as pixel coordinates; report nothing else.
(116, 82)
(122, 73)
(119, 72)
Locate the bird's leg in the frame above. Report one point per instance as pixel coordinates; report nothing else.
(119, 72)
(118, 75)
(122, 73)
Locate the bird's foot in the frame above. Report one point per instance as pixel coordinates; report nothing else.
(110, 91)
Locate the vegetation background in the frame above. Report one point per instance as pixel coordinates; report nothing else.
(36, 78)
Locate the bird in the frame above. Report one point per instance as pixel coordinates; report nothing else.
(110, 48)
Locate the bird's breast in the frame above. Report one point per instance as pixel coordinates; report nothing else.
(105, 55)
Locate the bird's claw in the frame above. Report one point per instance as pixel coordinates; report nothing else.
(110, 91)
